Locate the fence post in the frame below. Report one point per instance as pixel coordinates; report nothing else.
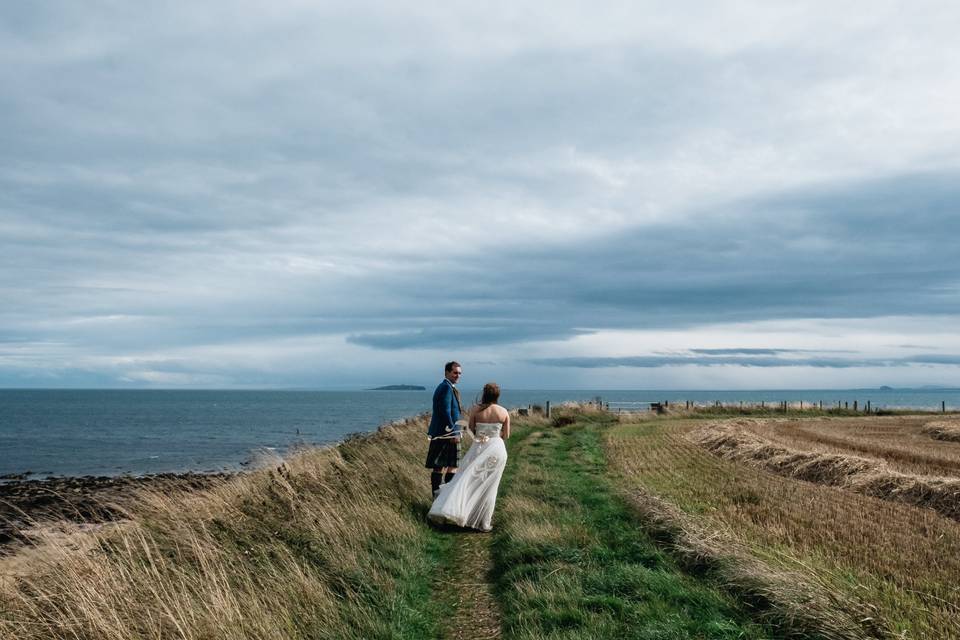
(943, 406)
(548, 408)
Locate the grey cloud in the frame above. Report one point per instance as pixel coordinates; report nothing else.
(173, 178)
(762, 352)
(189, 288)
(947, 359)
(460, 337)
(654, 362)
(750, 352)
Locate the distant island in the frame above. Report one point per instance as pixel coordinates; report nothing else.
(400, 387)
(886, 388)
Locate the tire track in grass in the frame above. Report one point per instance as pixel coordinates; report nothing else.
(570, 562)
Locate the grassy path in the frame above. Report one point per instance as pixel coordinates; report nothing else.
(465, 590)
(570, 562)
(464, 602)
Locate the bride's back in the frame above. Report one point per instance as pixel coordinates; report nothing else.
(490, 413)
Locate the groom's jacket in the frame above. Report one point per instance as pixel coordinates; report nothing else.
(446, 411)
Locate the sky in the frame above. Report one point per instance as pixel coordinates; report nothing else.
(637, 195)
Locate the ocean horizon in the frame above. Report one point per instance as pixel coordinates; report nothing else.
(79, 432)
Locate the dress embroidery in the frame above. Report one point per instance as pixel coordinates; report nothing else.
(470, 497)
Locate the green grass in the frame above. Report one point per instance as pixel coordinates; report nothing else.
(571, 562)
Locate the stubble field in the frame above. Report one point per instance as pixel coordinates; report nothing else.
(863, 510)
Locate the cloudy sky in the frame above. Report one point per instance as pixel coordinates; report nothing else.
(654, 195)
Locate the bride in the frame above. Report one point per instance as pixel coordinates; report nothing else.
(469, 498)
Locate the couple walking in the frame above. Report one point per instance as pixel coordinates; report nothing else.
(465, 492)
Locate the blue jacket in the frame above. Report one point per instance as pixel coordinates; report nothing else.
(446, 411)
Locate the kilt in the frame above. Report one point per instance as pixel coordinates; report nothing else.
(443, 452)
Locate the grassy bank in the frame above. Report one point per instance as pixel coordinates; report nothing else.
(329, 545)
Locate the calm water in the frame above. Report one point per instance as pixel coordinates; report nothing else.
(81, 432)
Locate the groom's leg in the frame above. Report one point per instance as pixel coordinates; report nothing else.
(435, 479)
(451, 471)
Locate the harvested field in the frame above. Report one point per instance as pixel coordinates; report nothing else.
(893, 563)
(900, 441)
(870, 476)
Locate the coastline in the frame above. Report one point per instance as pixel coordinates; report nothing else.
(105, 433)
(92, 500)
(82, 500)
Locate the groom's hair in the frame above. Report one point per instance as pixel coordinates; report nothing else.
(491, 393)
(447, 368)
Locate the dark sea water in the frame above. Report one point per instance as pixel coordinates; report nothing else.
(110, 432)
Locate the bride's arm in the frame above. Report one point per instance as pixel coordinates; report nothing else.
(472, 425)
(506, 426)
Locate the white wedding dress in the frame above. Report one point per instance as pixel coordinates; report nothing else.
(468, 500)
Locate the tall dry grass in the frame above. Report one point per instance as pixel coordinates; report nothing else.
(792, 598)
(897, 563)
(327, 545)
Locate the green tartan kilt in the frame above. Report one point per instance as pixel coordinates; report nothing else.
(443, 452)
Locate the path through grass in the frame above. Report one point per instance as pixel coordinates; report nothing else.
(571, 562)
(463, 591)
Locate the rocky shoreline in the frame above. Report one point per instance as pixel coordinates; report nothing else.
(80, 500)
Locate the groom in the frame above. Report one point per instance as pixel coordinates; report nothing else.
(444, 432)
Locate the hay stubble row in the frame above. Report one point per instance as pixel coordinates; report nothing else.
(898, 560)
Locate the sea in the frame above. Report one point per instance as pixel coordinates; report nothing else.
(47, 432)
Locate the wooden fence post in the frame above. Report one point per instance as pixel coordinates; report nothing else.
(548, 408)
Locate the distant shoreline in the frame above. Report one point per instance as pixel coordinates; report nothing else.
(399, 387)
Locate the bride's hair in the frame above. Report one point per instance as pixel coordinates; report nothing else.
(491, 393)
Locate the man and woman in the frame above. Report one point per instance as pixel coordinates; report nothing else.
(465, 493)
